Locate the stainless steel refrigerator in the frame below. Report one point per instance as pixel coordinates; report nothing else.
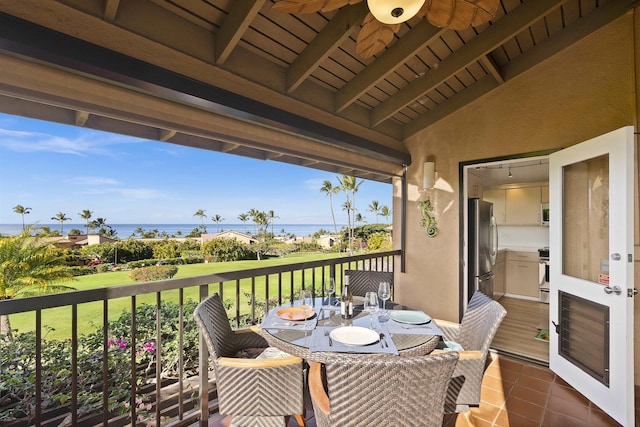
(482, 247)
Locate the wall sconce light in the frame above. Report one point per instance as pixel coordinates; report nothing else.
(429, 178)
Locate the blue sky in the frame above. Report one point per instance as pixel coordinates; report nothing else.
(55, 168)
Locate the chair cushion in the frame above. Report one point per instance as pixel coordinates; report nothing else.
(452, 346)
(272, 353)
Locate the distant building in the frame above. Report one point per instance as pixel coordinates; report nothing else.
(230, 234)
(77, 241)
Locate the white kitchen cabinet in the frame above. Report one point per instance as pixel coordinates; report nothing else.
(523, 206)
(498, 198)
(522, 273)
(544, 194)
(500, 275)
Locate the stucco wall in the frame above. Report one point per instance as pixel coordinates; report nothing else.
(582, 92)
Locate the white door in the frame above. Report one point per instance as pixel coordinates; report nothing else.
(591, 266)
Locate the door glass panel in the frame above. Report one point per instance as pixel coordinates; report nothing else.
(585, 203)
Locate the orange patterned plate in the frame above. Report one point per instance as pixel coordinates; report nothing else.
(293, 313)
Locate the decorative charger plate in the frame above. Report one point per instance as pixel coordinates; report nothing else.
(409, 316)
(354, 335)
(294, 313)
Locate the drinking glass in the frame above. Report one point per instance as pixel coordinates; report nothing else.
(306, 304)
(384, 292)
(330, 289)
(371, 305)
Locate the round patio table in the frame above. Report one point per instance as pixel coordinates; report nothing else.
(296, 341)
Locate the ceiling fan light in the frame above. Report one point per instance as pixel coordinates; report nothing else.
(394, 11)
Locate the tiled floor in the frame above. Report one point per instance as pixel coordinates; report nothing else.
(516, 394)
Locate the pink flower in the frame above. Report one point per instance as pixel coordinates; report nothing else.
(111, 342)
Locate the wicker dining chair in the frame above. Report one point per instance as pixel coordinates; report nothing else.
(255, 392)
(363, 281)
(390, 391)
(474, 334)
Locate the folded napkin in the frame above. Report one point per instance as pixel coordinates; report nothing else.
(320, 342)
(430, 328)
(272, 321)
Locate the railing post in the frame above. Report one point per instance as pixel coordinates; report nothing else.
(203, 367)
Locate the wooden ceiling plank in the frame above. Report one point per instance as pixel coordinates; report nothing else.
(492, 68)
(229, 147)
(81, 118)
(234, 26)
(484, 43)
(392, 58)
(111, 9)
(331, 36)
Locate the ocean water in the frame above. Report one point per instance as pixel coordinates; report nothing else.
(126, 230)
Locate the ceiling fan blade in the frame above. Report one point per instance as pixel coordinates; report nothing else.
(374, 36)
(460, 14)
(310, 6)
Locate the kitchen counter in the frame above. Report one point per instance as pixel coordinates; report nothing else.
(520, 249)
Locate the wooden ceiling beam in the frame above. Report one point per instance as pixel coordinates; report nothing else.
(272, 156)
(492, 68)
(228, 147)
(329, 39)
(519, 19)
(393, 58)
(235, 24)
(111, 9)
(541, 52)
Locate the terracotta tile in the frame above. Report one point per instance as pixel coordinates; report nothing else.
(496, 383)
(555, 419)
(485, 412)
(534, 384)
(524, 408)
(508, 419)
(529, 395)
(493, 397)
(561, 382)
(504, 374)
(568, 393)
(538, 372)
(597, 418)
(482, 423)
(566, 407)
(509, 364)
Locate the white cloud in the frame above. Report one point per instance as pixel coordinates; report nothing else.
(92, 180)
(93, 143)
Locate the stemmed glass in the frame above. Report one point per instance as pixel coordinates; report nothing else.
(384, 292)
(330, 289)
(306, 304)
(371, 305)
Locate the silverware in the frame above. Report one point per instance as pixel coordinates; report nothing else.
(326, 334)
(383, 339)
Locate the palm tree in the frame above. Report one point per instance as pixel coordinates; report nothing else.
(61, 218)
(359, 218)
(385, 212)
(217, 219)
(254, 215)
(244, 218)
(86, 215)
(350, 186)
(375, 208)
(271, 216)
(201, 214)
(21, 210)
(330, 190)
(29, 267)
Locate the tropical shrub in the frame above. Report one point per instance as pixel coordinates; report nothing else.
(379, 242)
(82, 271)
(224, 250)
(127, 251)
(150, 274)
(169, 248)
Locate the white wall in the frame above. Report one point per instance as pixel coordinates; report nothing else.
(510, 236)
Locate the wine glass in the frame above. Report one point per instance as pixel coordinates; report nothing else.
(384, 292)
(330, 289)
(371, 305)
(306, 304)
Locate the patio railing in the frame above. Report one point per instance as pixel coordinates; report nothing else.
(248, 294)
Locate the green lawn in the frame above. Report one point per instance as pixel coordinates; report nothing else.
(90, 314)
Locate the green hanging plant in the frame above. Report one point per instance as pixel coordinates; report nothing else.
(428, 222)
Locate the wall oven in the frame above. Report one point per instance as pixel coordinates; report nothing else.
(543, 276)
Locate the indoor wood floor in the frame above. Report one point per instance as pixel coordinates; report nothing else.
(518, 329)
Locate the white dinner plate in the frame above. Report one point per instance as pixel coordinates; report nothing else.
(411, 317)
(354, 335)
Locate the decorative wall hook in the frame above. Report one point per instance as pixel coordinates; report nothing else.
(428, 222)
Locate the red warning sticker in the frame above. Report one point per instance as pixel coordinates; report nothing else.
(603, 279)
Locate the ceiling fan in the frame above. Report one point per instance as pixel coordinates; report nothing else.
(385, 16)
